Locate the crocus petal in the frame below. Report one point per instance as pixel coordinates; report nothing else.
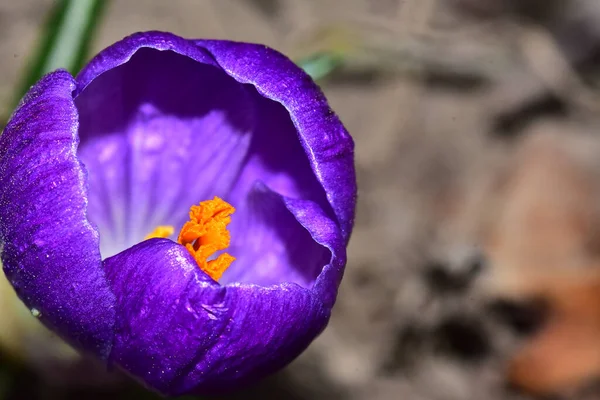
(154, 147)
(49, 251)
(276, 248)
(181, 332)
(326, 142)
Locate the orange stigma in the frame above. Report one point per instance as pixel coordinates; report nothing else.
(206, 233)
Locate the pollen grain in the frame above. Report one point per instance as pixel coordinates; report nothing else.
(161, 231)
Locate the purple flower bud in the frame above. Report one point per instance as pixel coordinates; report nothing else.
(151, 126)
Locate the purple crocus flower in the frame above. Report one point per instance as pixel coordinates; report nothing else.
(153, 125)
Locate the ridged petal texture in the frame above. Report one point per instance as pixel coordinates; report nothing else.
(49, 249)
(152, 125)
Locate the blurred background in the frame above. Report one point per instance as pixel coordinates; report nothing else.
(473, 267)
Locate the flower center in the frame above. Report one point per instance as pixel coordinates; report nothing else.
(205, 234)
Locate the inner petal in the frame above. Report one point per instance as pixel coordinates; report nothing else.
(163, 132)
(270, 244)
(159, 134)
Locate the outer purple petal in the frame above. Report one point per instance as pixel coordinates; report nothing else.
(328, 145)
(49, 251)
(181, 332)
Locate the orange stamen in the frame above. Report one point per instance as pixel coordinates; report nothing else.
(162, 231)
(206, 233)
